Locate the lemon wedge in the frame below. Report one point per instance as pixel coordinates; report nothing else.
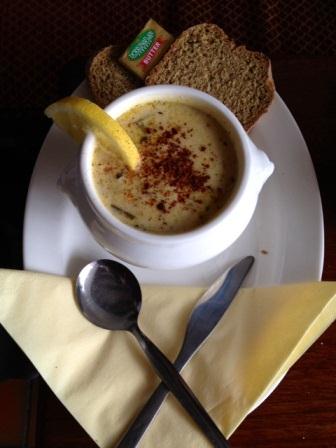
(78, 116)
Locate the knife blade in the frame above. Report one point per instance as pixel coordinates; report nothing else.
(204, 318)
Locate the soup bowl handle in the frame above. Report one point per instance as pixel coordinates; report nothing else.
(262, 166)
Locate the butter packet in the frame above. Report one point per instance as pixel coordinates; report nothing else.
(147, 49)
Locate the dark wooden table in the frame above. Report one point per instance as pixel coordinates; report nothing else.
(301, 412)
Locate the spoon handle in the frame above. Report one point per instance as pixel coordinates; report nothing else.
(176, 384)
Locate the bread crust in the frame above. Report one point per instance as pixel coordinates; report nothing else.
(106, 78)
(271, 85)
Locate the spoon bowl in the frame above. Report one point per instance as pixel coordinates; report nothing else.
(109, 295)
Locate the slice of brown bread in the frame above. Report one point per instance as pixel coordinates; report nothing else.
(107, 79)
(205, 58)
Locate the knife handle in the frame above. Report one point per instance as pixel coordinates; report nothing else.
(144, 418)
(210, 309)
(181, 390)
(149, 411)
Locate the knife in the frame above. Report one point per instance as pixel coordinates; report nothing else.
(204, 318)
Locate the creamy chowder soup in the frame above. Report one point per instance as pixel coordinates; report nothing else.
(187, 172)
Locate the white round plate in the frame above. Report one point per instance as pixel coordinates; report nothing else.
(285, 235)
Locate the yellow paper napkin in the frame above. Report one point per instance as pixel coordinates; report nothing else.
(104, 379)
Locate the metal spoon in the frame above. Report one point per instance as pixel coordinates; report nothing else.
(110, 297)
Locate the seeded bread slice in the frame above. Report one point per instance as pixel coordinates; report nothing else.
(205, 58)
(107, 79)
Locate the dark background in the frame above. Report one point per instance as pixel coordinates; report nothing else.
(44, 47)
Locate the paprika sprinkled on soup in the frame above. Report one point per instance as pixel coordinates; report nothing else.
(187, 173)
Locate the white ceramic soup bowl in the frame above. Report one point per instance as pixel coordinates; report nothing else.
(185, 249)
